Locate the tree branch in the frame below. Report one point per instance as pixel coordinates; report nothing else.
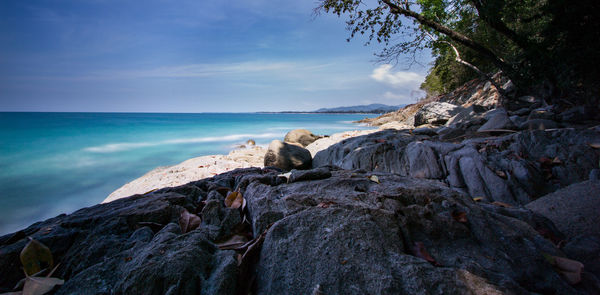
(454, 35)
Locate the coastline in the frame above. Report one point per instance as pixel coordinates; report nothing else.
(198, 168)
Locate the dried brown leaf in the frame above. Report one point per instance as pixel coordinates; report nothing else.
(40, 286)
(234, 200)
(35, 256)
(233, 242)
(478, 199)
(501, 174)
(570, 269)
(502, 204)
(188, 222)
(420, 251)
(460, 216)
(595, 145)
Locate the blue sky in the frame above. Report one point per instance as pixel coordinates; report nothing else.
(188, 56)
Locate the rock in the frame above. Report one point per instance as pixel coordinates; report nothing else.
(573, 115)
(129, 246)
(538, 124)
(451, 133)
(422, 161)
(300, 136)
(312, 174)
(435, 113)
(323, 238)
(545, 113)
(573, 209)
(425, 131)
(497, 120)
(595, 174)
(505, 169)
(343, 234)
(467, 117)
(521, 112)
(287, 156)
(517, 120)
(585, 248)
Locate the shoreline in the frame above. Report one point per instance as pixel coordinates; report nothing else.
(202, 167)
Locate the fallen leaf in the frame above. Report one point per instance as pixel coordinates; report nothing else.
(40, 286)
(35, 256)
(420, 251)
(595, 145)
(478, 199)
(234, 200)
(127, 259)
(380, 140)
(285, 175)
(460, 216)
(374, 178)
(501, 174)
(570, 269)
(233, 242)
(502, 204)
(188, 222)
(344, 262)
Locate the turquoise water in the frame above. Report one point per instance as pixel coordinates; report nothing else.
(53, 163)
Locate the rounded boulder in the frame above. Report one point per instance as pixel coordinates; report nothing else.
(300, 136)
(287, 156)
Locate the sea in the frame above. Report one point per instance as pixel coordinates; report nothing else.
(53, 163)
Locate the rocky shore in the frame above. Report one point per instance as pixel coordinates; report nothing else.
(467, 194)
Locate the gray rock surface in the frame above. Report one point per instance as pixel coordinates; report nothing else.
(435, 113)
(472, 115)
(338, 233)
(350, 235)
(287, 156)
(505, 168)
(301, 136)
(498, 120)
(130, 246)
(538, 124)
(575, 209)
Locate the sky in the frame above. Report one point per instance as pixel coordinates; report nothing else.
(189, 56)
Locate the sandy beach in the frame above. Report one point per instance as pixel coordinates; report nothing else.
(208, 166)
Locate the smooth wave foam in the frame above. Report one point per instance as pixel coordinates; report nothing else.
(124, 146)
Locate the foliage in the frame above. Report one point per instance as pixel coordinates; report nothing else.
(534, 42)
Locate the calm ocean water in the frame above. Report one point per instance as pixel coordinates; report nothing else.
(53, 163)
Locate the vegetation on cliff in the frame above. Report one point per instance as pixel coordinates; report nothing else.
(542, 46)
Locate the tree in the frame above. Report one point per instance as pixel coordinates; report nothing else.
(528, 40)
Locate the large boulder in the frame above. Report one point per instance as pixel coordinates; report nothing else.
(348, 234)
(287, 156)
(300, 136)
(574, 209)
(436, 113)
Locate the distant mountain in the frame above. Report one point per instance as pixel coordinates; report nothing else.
(375, 108)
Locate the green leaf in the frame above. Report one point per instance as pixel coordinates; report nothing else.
(35, 256)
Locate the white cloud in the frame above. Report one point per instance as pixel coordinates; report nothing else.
(393, 96)
(400, 79)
